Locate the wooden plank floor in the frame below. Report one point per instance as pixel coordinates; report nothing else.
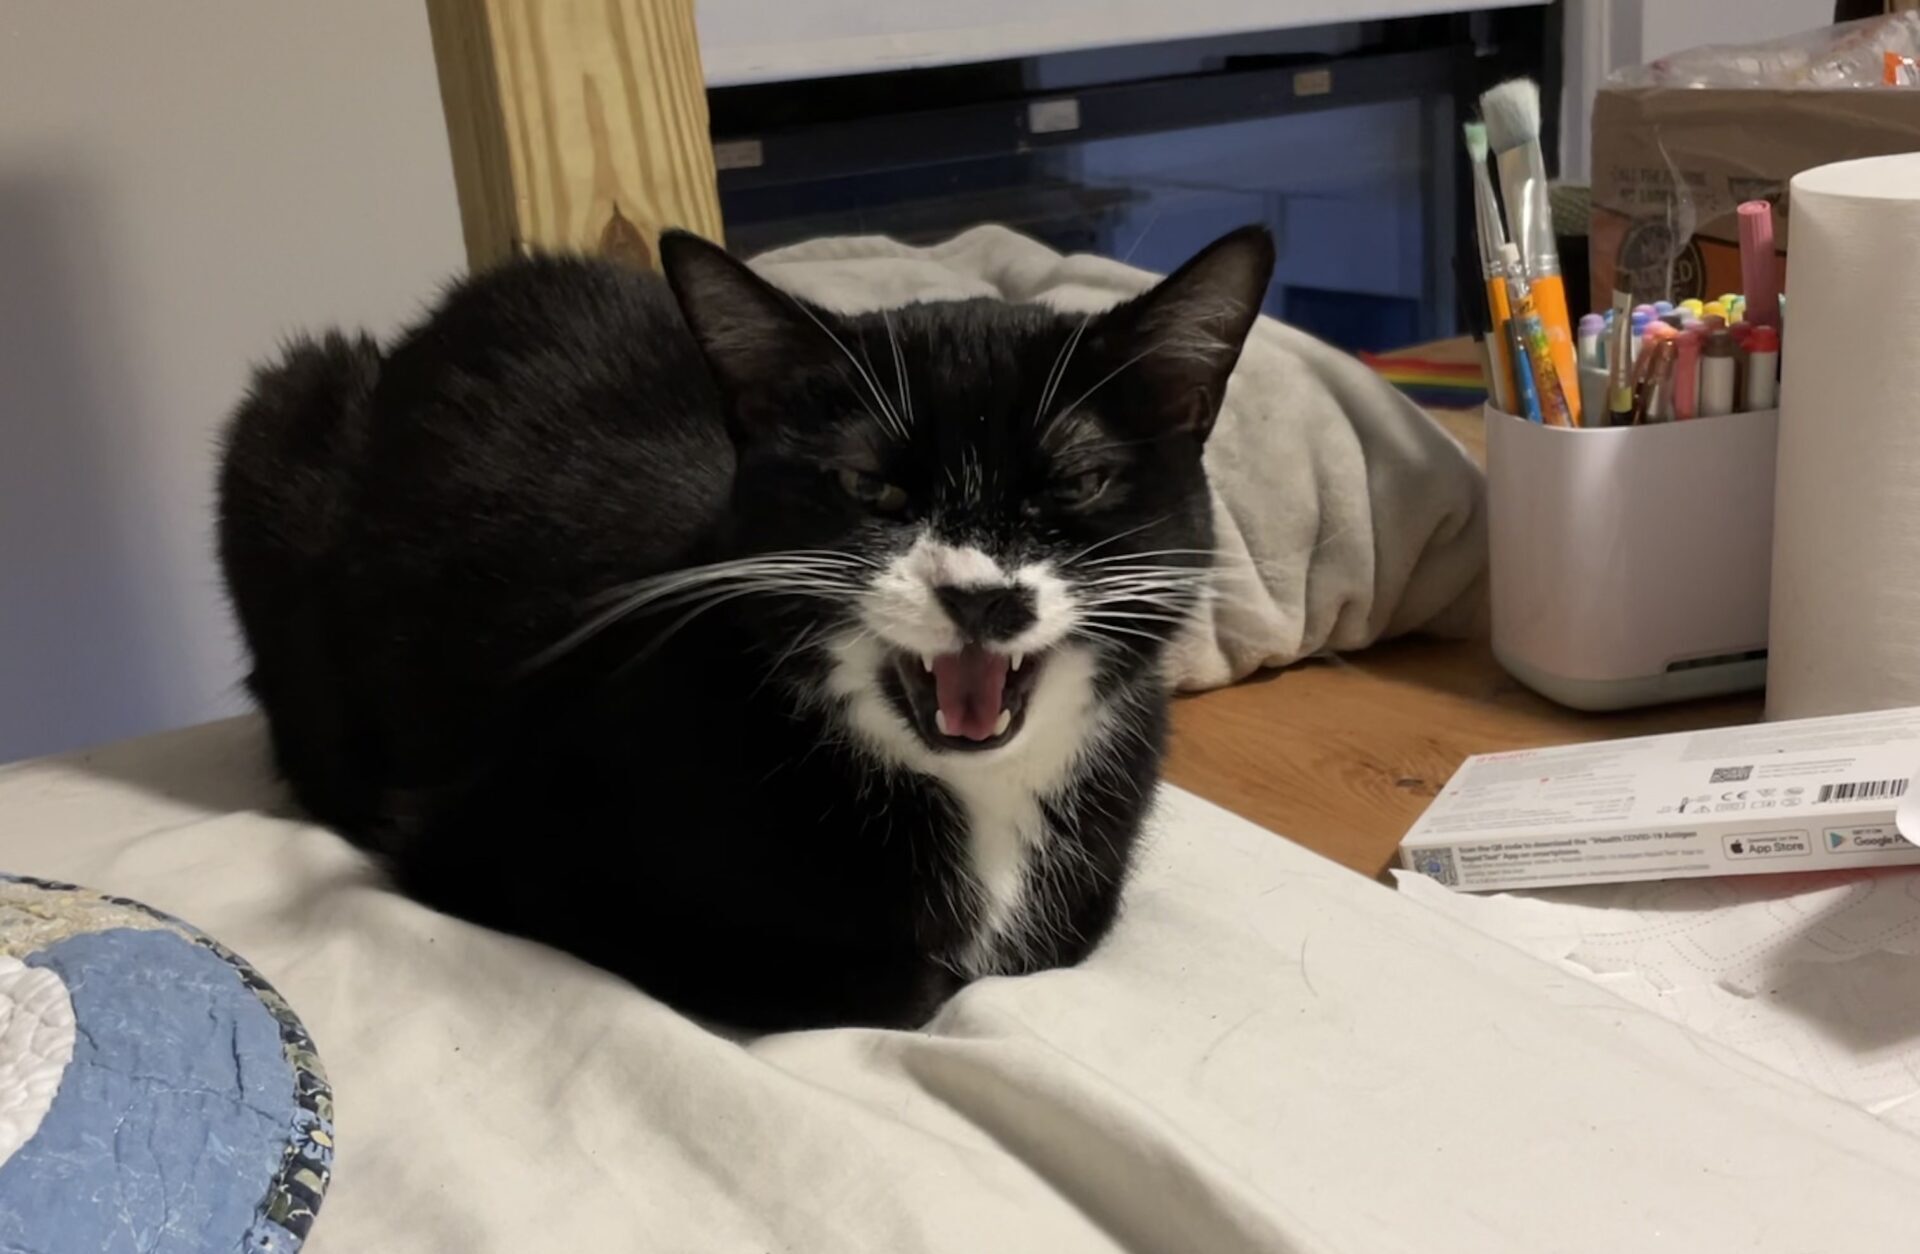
(1342, 756)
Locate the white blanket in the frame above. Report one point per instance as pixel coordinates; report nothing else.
(1270, 1055)
(1345, 515)
(1814, 974)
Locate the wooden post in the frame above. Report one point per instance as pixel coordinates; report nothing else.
(575, 125)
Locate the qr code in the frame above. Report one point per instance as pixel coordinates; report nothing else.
(1436, 864)
(1731, 775)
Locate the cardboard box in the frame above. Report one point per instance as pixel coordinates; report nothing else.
(1811, 795)
(1671, 164)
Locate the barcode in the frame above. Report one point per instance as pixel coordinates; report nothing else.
(1862, 790)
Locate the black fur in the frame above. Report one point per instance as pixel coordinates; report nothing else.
(421, 548)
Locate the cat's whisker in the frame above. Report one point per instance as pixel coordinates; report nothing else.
(805, 639)
(1107, 446)
(1135, 557)
(1121, 593)
(1170, 605)
(1097, 545)
(1171, 620)
(1059, 371)
(1146, 579)
(1181, 610)
(1105, 379)
(873, 385)
(1172, 575)
(832, 557)
(898, 424)
(1323, 541)
(659, 640)
(1226, 565)
(1170, 613)
(1102, 629)
(793, 574)
(642, 592)
(899, 368)
(1144, 232)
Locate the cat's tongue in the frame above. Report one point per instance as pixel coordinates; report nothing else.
(969, 685)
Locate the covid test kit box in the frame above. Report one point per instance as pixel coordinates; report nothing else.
(1812, 795)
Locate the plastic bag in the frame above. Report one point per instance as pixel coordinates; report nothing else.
(1872, 52)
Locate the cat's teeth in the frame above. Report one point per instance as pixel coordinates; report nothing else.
(940, 722)
(1015, 664)
(1001, 724)
(926, 662)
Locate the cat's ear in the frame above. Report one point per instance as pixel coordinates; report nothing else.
(756, 338)
(1180, 339)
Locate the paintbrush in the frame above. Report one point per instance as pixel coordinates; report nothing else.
(1492, 237)
(1512, 114)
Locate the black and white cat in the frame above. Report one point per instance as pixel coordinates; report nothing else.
(798, 667)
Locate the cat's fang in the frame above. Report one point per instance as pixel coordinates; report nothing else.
(926, 662)
(940, 722)
(1003, 722)
(1015, 664)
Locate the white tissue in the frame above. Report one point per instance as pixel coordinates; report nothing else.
(1844, 633)
(1817, 976)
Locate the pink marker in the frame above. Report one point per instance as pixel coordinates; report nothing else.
(1686, 376)
(1759, 268)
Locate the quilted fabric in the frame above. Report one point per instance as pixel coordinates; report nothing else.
(156, 1095)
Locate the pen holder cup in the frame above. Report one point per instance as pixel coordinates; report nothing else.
(1630, 565)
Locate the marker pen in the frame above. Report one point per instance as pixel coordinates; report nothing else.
(1587, 340)
(1686, 375)
(1716, 374)
(1529, 402)
(1758, 265)
(1763, 369)
(1620, 344)
(1656, 399)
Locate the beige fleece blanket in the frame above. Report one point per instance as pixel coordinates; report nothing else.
(1345, 515)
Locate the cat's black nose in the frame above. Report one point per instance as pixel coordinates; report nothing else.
(994, 613)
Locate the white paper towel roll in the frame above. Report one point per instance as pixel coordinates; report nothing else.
(1844, 633)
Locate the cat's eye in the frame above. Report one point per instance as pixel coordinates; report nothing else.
(872, 491)
(1079, 491)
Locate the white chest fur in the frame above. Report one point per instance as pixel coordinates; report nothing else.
(1002, 799)
(1005, 832)
(1001, 794)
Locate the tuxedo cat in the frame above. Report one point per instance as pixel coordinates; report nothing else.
(797, 666)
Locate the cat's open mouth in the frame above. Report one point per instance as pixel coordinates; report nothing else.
(970, 700)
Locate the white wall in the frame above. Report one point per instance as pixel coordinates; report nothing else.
(748, 41)
(180, 185)
(1604, 35)
(1675, 25)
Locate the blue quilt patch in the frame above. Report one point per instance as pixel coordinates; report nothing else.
(191, 1114)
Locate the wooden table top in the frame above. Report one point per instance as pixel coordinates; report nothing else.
(1342, 756)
